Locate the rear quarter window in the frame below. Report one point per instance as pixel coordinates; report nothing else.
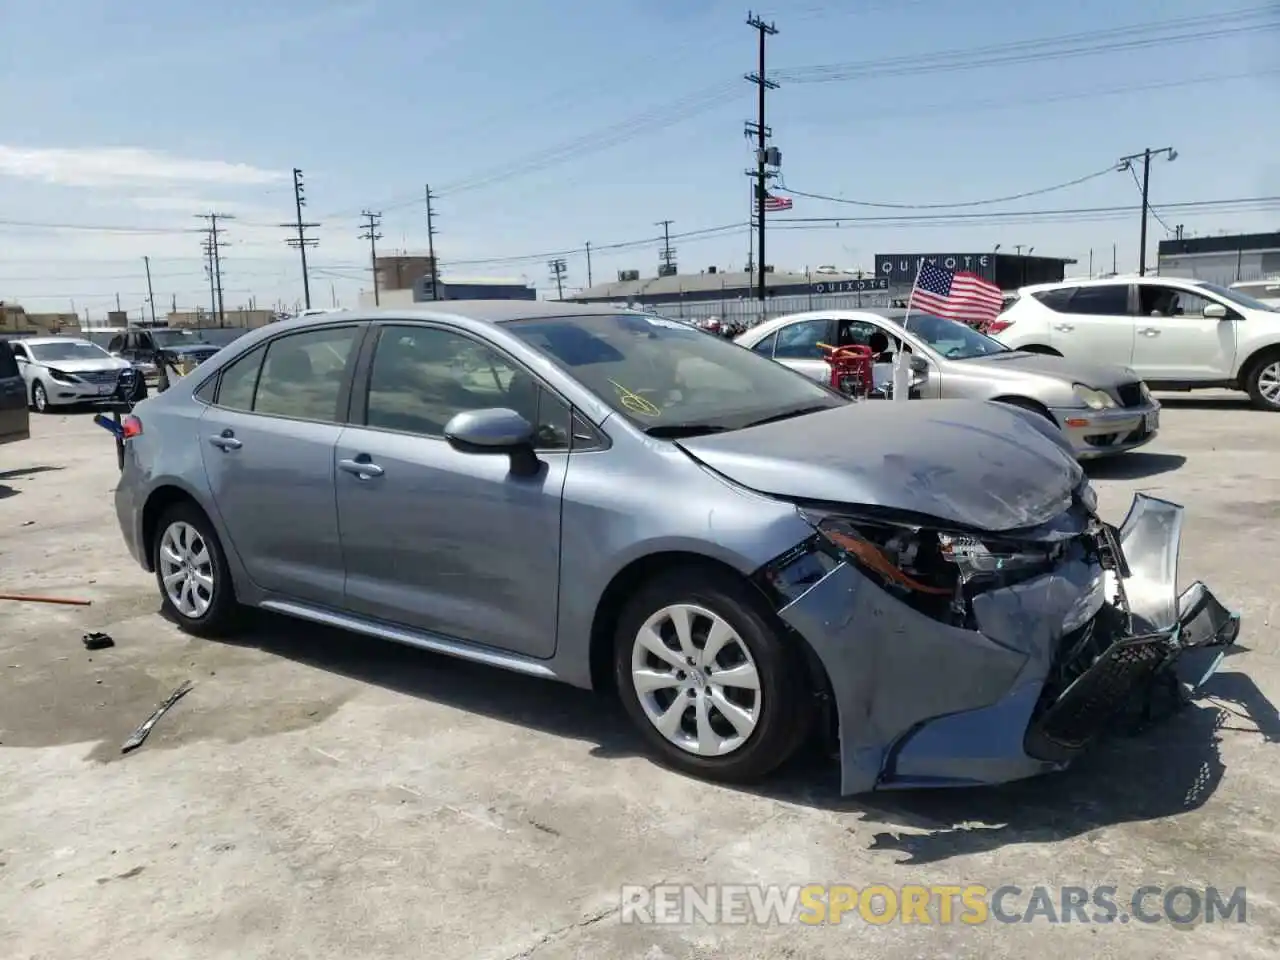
(1055, 300)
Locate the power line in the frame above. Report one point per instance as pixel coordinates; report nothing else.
(372, 220)
(885, 205)
(1138, 183)
(1059, 215)
(301, 241)
(705, 233)
(1062, 46)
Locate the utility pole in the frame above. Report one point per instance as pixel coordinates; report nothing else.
(558, 269)
(151, 297)
(667, 258)
(301, 241)
(761, 173)
(215, 257)
(431, 244)
(372, 220)
(1125, 165)
(117, 303)
(589, 283)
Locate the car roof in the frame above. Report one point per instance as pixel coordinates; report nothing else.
(893, 315)
(1103, 281)
(41, 341)
(483, 311)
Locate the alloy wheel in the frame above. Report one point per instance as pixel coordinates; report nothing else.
(1269, 383)
(186, 569)
(39, 398)
(696, 680)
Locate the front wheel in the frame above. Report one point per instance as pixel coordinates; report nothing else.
(707, 678)
(1263, 383)
(191, 571)
(39, 398)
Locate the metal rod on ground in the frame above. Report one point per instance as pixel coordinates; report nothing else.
(59, 601)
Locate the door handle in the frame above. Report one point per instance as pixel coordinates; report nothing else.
(226, 441)
(1064, 327)
(362, 468)
(1150, 331)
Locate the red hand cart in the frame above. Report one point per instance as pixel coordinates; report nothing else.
(852, 371)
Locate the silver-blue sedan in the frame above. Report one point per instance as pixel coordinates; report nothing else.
(619, 501)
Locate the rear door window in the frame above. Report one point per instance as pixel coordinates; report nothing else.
(1056, 300)
(1104, 300)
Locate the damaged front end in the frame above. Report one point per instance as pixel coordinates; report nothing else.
(958, 657)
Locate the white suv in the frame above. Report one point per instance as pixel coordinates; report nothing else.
(1175, 334)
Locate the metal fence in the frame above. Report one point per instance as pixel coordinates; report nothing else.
(749, 312)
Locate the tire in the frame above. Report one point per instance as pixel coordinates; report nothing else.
(39, 398)
(780, 708)
(214, 611)
(139, 389)
(1263, 383)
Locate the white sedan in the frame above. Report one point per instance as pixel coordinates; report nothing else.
(67, 370)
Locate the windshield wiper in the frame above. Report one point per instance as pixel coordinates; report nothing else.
(675, 431)
(802, 412)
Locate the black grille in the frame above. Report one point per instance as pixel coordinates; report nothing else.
(1089, 705)
(99, 376)
(1130, 394)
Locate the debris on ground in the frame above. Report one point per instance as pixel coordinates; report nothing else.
(97, 641)
(138, 736)
(64, 601)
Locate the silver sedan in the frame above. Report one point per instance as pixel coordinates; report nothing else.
(1103, 409)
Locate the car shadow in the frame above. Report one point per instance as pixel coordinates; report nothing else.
(22, 472)
(1136, 465)
(1151, 771)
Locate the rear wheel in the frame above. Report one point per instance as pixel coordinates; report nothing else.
(191, 571)
(705, 675)
(1263, 383)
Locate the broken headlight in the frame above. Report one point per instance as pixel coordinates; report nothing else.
(976, 558)
(934, 571)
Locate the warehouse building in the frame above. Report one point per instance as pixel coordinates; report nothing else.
(1224, 260)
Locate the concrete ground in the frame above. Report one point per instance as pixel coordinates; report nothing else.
(322, 795)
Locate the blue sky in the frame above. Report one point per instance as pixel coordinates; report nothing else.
(543, 126)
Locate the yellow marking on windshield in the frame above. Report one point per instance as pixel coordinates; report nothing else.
(636, 403)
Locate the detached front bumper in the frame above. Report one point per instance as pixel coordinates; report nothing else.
(1053, 662)
(1101, 433)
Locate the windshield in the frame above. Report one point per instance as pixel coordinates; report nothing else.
(71, 350)
(175, 338)
(671, 378)
(1235, 296)
(953, 340)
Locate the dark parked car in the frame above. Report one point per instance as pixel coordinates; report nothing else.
(14, 418)
(146, 345)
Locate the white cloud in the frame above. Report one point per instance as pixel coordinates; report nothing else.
(123, 166)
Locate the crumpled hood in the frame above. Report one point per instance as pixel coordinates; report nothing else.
(974, 463)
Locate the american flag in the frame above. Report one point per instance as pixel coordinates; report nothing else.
(773, 204)
(964, 297)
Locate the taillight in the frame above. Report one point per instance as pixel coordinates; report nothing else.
(130, 427)
(998, 325)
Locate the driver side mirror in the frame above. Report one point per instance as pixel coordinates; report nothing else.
(1215, 311)
(496, 430)
(919, 364)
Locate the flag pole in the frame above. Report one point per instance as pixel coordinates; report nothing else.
(901, 366)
